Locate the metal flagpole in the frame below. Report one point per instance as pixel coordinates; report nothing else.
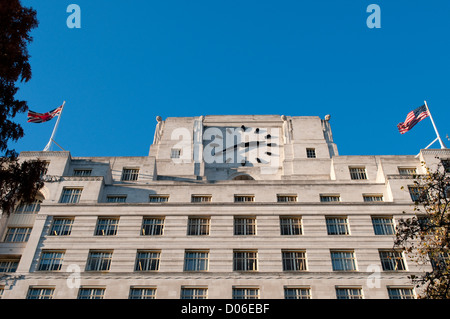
(47, 147)
(435, 129)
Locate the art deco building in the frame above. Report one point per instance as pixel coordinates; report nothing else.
(222, 207)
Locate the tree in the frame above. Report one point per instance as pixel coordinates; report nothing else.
(426, 236)
(19, 181)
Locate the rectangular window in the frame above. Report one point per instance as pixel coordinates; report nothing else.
(51, 260)
(286, 198)
(40, 293)
(446, 165)
(99, 261)
(401, 293)
(337, 226)
(82, 172)
(297, 293)
(407, 171)
(245, 226)
(294, 260)
(330, 198)
(175, 153)
(91, 293)
(310, 153)
(244, 198)
(116, 198)
(290, 226)
(343, 260)
(194, 293)
(9, 264)
(201, 198)
(130, 174)
(440, 260)
(28, 208)
(358, 173)
(17, 234)
(142, 293)
(245, 293)
(392, 260)
(198, 226)
(245, 260)
(61, 226)
(147, 260)
(349, 293)
(373, 198)
(70, 195)
(416, 193)
(107, 226)
(196, 260)
(152, 226)
(383, 225)
(158, 198)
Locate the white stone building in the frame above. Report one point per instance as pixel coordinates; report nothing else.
(222, 207)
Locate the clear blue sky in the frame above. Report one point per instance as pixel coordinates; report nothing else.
(133, 60)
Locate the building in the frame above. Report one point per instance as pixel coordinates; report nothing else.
(222, 207)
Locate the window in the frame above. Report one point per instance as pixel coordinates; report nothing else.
(373, 198)
(91, 293)
(201, 198)
(28, 208)
(245, 293)
(290, 226)
(407, 171)
(286, 198)
(99, 261)
(130, 174)
(383, 225)
(51, 260)
(343, 260)
(294, 260)
(82, 172)
(142, 293)
(152, 226)
(147, 260)
(107, 226)
(40, 293)
(70, 195)
(446, 165)
(337, 225)
(158, 198)
(440, 260)
(9, 264)
(175, 153)
(196, 260)
(358, 173)
(245, 260)
(330, 198)
(349, 293)
(297, 293)
(61, 226)
(392, 260)
(116, 198)
(244, 198)
(416, 193)
(401, 293)
(245, 226)
(310, 153)
(194, 293)
(198, 226)
(18, 234)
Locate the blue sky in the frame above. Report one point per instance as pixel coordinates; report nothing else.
(133, 60)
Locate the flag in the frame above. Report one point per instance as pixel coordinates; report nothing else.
(413, 118)
(34, 117)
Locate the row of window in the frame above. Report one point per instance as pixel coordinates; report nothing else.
(198, 260)
(201, 292)
(200, 226)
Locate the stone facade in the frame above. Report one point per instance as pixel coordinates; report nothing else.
(222, 207)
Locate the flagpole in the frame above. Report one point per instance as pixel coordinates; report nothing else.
(435, 129)
(47, 147)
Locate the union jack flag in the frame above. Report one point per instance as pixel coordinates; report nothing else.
(413, 118)
(34, 117)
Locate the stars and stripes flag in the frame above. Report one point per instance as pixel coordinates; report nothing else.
(34, 117)
(413, 118)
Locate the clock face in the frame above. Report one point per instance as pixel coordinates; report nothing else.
(241, 146)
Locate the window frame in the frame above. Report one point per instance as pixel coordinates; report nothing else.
(291, 226)
(196, 260)
(244, 226)
(343, 262)
(358, 172)
(130, 174)
(150, 258)
(155, 228)
(101, 263)
(70, 195)
(382, 228)
(107, 226)
(337, 225)
(245, 260)
(198, 226)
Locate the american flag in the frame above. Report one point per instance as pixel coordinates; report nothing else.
(413, 118)
(34, 117)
